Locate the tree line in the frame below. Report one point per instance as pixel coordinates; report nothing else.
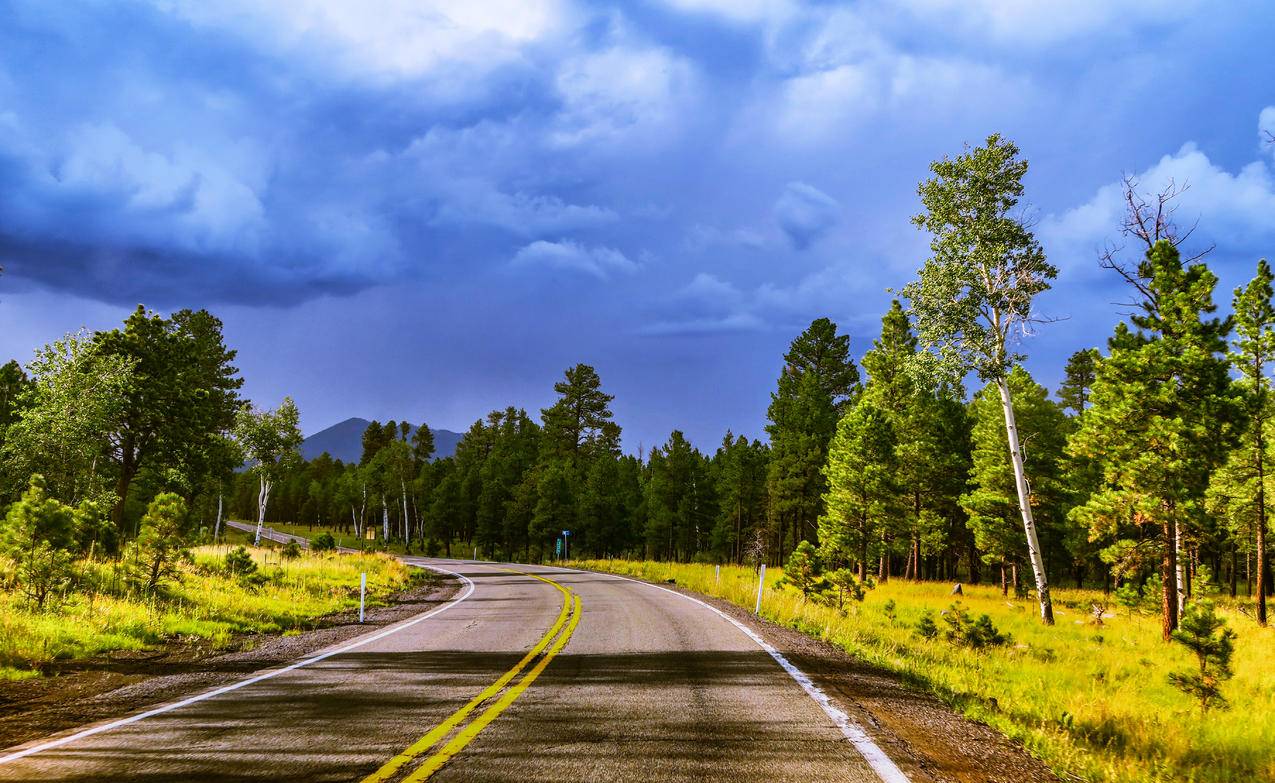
(1145, 470)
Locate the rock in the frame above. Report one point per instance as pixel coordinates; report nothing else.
(956, 589)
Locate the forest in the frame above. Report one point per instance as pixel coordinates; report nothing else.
(934, 456)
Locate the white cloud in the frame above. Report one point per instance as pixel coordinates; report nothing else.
(1028, 24)
(1239, 206)
(599, 262)
(389, 38)
(637, 94)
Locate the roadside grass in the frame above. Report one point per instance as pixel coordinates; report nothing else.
(342, 539)
(1091, 700)
(105, 615)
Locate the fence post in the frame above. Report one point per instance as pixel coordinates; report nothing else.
(761, 582)
(363, 592)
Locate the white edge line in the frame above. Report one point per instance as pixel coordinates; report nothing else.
(881, 763)
(361, 641)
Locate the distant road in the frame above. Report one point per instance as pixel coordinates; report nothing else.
(267, 532)
(529, 674)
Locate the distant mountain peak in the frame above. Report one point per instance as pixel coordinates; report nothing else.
(344, 441)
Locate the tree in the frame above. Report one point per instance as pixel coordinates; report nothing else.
(802, 570)
(991, 502)
(579, 424)
(863, 487)
(271, 440)
(817, 384)
(680, 500)
(1078, 378)
(184, 392)
(36, 535)
(973, 297)
(161, 544)
(1252, 351)
(1205, 634)
(739, 472)
(13, 382)
(1161, 420)
(422, 444)
(70, 407)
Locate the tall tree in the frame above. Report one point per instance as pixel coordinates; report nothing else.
(1078, 378)
(271, 440)
(13, 381)
(974, 295)
(579, 424)
(184, 393)
(1252, 351)
(1161, 419)
(816, 385)
(863, 486)
(991, 501)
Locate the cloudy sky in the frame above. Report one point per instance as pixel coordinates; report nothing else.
(425, 210)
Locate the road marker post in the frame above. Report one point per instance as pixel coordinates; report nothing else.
(475, 553)
(761, 582)
(363, 592)
(717, 574)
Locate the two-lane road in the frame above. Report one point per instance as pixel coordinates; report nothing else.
(624, 682)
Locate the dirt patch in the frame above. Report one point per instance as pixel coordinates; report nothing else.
(112, 686)
(923, 736)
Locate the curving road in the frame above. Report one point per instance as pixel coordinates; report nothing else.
(527, 675)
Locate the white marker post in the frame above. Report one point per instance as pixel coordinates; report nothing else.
(363, 592)
(717, 574)
(475, 553)
(761, 582)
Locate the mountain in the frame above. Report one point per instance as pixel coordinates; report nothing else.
(344, 441)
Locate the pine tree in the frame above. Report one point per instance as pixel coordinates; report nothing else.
(1078, 378)
(579, 425)
(818, 382)
(863, 487)
(1205, 634)
(1253, 350)
(975, 294)
(991, 501)
(161, 544)
(1160, 420)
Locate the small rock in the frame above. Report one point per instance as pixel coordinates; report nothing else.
(956, 589)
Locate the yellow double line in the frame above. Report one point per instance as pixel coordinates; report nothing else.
(569, 615)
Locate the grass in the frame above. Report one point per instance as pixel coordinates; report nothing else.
(1090, 700)
(106, 616)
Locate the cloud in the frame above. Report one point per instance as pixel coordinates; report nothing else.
(1236, 209)
(805, 213)
(599, 262)
(695, 327)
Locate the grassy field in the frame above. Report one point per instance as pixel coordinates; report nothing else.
(206, 603)
(1091, 700)
(342, 539)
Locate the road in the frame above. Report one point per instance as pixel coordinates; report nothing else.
(530, 673)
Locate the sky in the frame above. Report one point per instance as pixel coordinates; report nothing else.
(426, 210)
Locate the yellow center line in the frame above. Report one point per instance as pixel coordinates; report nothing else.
(455, 719)
(466, 735)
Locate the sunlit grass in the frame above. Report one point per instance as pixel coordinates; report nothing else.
(1091, 700)
(107, 615)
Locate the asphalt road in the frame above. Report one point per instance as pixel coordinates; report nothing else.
(587, 677)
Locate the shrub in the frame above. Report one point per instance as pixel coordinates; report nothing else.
(161, 545)
(963, 630)
(323, 542)
(889, 610)
(926, 628)
(239, 562)
(36, 534)
(802, 570)
(842, 584)
(291, 551)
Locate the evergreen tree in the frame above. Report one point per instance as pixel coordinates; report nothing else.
(579, 424)
(1160, 419)
(991, 502)
(1205, 634)
(739, 473)
(270, 440)
(36, 534)
(161, 544)
(974, 295)
(1253, 350)
(818, 382)
(1078, 378)
(863, 486)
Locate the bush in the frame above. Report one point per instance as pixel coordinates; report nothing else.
(291, 551)
(926, 628)
(963, 630)
(1205, 634)
(239, 562)
(323, 542)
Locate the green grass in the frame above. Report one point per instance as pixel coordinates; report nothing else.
(1090, 700)
(205, 604)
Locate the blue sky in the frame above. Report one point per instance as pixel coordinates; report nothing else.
(426, 210)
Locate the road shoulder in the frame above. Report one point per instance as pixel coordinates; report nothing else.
(108, 687)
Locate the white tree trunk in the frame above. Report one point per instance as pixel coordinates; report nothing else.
(355, 519)
(263, 497)
(217, 526)
(1024, 504)
(1181, 566)
(385, 520)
